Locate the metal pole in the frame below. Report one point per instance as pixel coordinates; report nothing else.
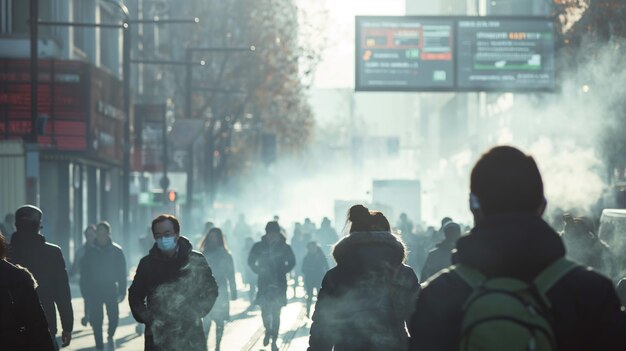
(127, 146)
(166, 182)
(188, 114)
(32, 153)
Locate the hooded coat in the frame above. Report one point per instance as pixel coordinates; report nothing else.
(20, 310)
(171, 295)
(585, 306)
(271, 261)
(367, 298)
(45, 262)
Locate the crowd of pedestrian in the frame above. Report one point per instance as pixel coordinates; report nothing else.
(511, 282)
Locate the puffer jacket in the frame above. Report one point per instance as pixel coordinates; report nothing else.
(23, 324)
(271, 261)
(367, 298)
(170, 296)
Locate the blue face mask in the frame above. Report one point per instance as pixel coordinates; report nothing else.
(166, 243)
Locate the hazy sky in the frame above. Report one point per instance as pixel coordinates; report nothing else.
(337, 66)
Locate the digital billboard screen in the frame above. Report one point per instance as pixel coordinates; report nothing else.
(454, 53)
(404, 54)
(506, 54)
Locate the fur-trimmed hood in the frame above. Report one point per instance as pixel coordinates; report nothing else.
(369, 248)
(15, 275)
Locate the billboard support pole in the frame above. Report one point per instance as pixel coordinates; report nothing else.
(32, 150)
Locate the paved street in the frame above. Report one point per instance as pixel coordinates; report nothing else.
(243, 332)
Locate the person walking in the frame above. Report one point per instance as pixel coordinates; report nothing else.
(511, 287)
(314, 267)
(326, 236)
(220, 260)
(366, 300)
(172, 290)
(271, 259)
(103, 279)
(23, 325)
(45, 261)
(441, 256)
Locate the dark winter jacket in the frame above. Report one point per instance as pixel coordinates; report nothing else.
(271, 261)
(438, 258)
(170, 296)
(366, 300)
(314, 267)
(221, 262)
(45, 262)
(23, 324)
(585, 307)
(103, 271)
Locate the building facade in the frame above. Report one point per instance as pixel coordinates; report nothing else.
(80, 109)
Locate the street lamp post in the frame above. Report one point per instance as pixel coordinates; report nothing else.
(126, 61)
(189, 113)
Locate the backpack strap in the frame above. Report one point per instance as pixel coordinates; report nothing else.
(551, 275)
(472, 277)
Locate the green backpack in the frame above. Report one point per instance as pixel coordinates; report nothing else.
(509, 314)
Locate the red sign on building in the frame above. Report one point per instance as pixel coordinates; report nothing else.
(80, 104)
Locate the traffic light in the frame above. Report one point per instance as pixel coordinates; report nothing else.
(171, 195)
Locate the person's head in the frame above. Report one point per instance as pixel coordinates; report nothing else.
(28, 218)
(312, 247)
(103, 233)
(325, 222)
(505, 180)
(276, 218)
(452, 231)
(3, 247)
(90, 233)
(214, 239)
(208, 226)
(166, 232)
(444, 221)
(364, 220)
(307, 221)
(403, 217)
(272, 229)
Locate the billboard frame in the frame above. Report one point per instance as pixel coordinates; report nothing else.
(455, 30)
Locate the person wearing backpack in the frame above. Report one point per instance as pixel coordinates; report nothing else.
(510, 287)
(367, 298)
(23, 324)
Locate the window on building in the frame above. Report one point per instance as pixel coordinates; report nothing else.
(80, 10)
(109, 42)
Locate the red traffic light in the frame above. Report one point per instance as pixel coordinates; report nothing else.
(171, 196)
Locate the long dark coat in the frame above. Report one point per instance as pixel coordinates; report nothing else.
(367, 298)
(45, 262)
(221, 262)
(271, 261)
(23, 325)
(170, 296)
